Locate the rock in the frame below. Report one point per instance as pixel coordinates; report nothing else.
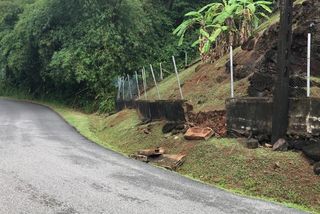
(180, 126)
(168, 127)
(312, 151)
(197, 133)
(173, 127)
(242, 141)
(316, 168)
(263, 138)
(298, 144)
(252, 144)
(281, 145)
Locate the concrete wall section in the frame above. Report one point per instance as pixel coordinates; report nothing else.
(304, 116)
(170, 110)
(247, 115)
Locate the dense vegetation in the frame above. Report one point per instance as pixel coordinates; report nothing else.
(73, 50)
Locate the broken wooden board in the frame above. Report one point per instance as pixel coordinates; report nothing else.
(171, 162)
(197, 133)
(158, 157)
(147, 154)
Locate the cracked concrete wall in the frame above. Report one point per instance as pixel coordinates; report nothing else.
(254, 115)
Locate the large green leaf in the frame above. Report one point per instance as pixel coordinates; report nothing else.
(204, 33)
(207, 46)
(193, 13)
(266, 8)
(215, 35)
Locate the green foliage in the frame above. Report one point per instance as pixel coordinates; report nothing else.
(74, 50)
(223, 23)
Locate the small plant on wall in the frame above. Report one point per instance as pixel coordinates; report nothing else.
(224, 23)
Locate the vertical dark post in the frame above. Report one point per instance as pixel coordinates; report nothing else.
(281, 93)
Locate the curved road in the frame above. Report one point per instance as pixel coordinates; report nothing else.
(47, 167)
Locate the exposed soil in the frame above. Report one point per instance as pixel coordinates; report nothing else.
(216, 120)
(120, 116)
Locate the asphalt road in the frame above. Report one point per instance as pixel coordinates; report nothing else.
(47, 167)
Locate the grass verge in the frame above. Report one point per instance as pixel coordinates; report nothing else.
(286, 177)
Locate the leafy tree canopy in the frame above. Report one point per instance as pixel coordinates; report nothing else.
(74, 50)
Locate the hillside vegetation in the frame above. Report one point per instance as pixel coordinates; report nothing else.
(74, 50)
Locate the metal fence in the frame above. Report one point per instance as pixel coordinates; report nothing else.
(136, 86)
(304, 82)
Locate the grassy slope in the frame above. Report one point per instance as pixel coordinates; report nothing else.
(221, 162)
(206, 88)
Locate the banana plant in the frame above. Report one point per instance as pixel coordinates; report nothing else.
(224, 23)
(203, 20)
(251, 13)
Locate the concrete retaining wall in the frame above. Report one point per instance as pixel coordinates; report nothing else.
(170, 110)
(255, 115)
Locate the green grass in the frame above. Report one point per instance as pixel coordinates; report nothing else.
(201, 87)
(169, 87)
(219, 162)
(251, 172)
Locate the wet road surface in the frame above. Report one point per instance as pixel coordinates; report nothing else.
(47, 167)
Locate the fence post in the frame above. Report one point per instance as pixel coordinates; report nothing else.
(231, 71)
(309, 65)
(186, 58)
(177, 74)
(129, 85)
(137, 81)
(144, 83)
(161, 71)
(123, 80)
(155, 81)
(119, 88)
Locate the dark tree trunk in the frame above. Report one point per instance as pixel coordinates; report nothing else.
(281, 93)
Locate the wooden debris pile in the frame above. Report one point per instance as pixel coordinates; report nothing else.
(158, 157)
